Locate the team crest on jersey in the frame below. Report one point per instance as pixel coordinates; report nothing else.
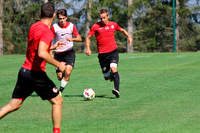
(55, 90)
(112, 27)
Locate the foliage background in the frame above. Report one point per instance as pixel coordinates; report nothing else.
(152, 22)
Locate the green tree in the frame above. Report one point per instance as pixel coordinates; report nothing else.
(1, 27)
(130, 26)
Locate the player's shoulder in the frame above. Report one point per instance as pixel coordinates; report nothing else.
(39, 26)
(96, 25)
(71, 24)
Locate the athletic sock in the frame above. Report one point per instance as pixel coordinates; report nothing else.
(56, 130)
(63, 84)
(116, 80)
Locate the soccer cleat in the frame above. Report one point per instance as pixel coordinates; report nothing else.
(116, 93)
(61, 89)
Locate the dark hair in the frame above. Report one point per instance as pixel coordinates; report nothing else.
(103, 10)
(62, 12)
(47, 10)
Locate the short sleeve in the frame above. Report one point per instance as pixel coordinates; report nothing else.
(75, 31)
(92, 30)
(117, 27)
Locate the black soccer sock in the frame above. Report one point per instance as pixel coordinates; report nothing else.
(116, 80)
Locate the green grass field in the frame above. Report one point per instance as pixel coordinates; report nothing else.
(160, 93)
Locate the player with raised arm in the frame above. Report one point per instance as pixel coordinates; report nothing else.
(107, 48)
(67, 33)
(32, 76)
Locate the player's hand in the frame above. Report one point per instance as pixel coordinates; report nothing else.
(62, 66)
(130, 41)
(58, 45)
(88, 52)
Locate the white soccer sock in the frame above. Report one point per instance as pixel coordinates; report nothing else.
(63, 83)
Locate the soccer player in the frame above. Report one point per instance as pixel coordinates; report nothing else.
(107, 48)
(32, 76)
(67, 33)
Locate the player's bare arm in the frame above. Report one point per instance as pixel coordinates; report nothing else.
(44, 54)
(75, 39)
(130, 39)
(87, 45)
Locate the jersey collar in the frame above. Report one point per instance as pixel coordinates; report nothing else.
(65, 26)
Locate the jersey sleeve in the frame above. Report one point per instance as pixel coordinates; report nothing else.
(117, 27)
(75, 31)
(92, 30)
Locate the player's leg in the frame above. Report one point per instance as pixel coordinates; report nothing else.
(13, 105)
(59, 57)
(114, 58)
(56, 113)
(69, 58)
(116, 80)
(59, 74)
(105, 66)
(23, 89)
(47, 90)
(66, 77)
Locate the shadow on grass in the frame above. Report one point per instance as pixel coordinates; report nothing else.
(97, 96)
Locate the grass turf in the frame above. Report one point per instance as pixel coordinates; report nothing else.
(159, 94)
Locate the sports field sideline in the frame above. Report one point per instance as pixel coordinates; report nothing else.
(160, 93)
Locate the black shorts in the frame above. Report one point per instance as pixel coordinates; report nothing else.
(106, 59)
(68, 57)
(32, 81)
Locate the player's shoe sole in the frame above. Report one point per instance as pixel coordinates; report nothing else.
(116, 93)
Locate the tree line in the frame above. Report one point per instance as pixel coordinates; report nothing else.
(150, 22)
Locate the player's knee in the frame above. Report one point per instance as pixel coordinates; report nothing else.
(68, 71)
(58, 101)
(113, 67)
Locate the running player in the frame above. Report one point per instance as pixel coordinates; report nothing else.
(107, 48)
(67, 33)
(32, 76)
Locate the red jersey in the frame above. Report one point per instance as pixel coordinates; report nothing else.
(38, 32)
(105, 36)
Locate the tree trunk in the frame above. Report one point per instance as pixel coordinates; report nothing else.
(130, 28)
(1, 27)
(88, 19)
(177, 25)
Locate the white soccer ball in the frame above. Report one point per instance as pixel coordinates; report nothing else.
(88, 94)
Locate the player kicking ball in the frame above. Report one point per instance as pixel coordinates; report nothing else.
(107, 48)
